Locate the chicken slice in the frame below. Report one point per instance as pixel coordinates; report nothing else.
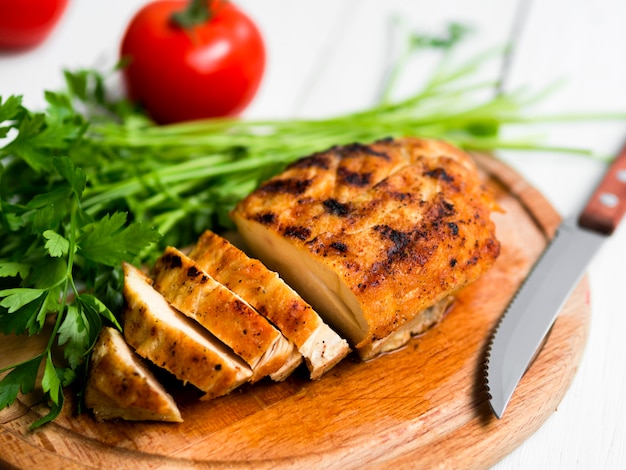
(374, 235)
(120, 386)
(196, 294)
(320, 346)
(175, 343)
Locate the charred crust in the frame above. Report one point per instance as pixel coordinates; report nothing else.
(354, 178)
(453, 262)
(400, 240)
(339, 246)
(316, 160)
(357, 149)
(299, 232)
(293, 186)
(440, 209)
(266, 218)
(454, 228)
(334, 207)
(472, 261)
(440, 174)
(315, 245)
(193, 272)
(172, 261)
(413, 247)
(448, 207)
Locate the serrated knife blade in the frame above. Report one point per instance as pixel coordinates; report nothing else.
(529, 317)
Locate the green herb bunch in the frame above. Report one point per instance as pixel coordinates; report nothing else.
(91, 182)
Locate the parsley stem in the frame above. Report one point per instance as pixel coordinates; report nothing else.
(69, 280)
(94, 202)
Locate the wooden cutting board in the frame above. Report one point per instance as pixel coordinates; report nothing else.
(424, 406)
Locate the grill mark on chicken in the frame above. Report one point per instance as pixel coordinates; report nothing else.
(266, 218)
(357, 150)
(400, 241)
(339, 246)
(193, 273)
(354, 178)
(301, 233)
(407, 248)
(172, 261)
(334, 207)
(447, 207)
(287, 186)
(317, 160)
(325, 249)
(440, 174)
(454, 228)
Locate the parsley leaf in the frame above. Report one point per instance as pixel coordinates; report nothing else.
(14, 299)
(74, 334)
(56, 244)
(74, 176)
(21, 379)
(108, 241)
(14, 268)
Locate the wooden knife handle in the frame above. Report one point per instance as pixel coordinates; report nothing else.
(608, 202)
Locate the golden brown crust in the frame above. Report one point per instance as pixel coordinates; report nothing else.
(192, 291)
(120, 386)
(262, 288)
(165, 337)
(403, 223)
(269, 295)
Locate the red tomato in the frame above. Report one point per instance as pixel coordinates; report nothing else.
(26, 23)
(212, 69)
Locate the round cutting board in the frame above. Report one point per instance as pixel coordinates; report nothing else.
(424, 405)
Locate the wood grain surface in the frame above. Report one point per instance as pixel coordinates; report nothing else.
(424, 406)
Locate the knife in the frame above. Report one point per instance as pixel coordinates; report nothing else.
(524, 326)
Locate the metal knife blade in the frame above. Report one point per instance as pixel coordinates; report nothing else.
(529, 317)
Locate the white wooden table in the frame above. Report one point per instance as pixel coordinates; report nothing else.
(327, 57)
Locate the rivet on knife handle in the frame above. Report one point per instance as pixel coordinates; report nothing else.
(608, 203)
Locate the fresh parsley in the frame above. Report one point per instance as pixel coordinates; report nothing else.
(49, 245)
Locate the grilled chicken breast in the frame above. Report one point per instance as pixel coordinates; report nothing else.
(320, 346)
(119, 385)
(227, 316)
(173, 342)
(373, 236)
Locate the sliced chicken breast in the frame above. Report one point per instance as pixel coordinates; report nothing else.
(226, 315)
(120, 386)
(173, 342)
(320, 346)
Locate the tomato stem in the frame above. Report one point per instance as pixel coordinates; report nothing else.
(196, 12)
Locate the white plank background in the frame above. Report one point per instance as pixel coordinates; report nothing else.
(328, 57)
